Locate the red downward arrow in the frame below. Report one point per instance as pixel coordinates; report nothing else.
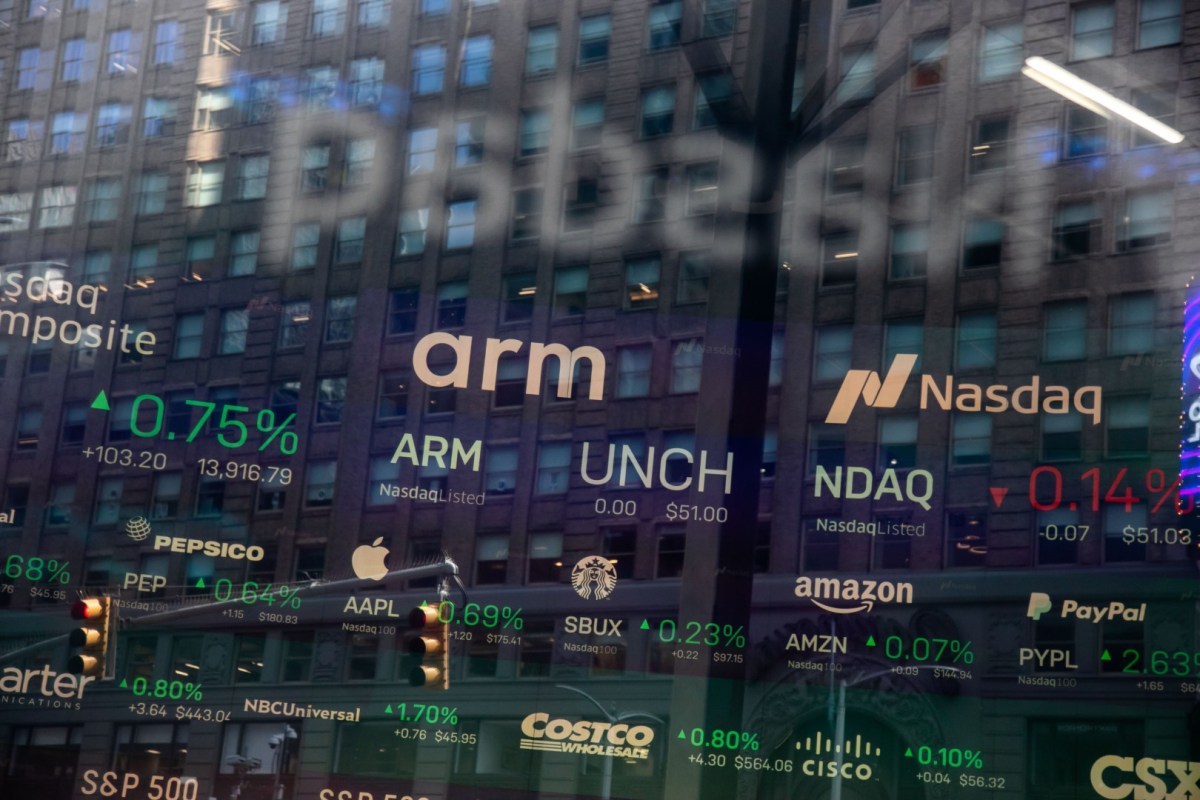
(998, 494)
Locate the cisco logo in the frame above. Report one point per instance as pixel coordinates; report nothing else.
(828, 768)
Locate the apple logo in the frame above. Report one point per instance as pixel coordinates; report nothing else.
(367, 560)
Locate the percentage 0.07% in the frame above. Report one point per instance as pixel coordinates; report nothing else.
(720, 739)
(489, 616)
(698, 633)
(251, 592)
(35, 568)
(164, 689)
(421, 713)
(921, 648)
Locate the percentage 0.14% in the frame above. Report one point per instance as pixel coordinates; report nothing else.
(251, 592)
(719, 739)
(146, 413)
(921, 648)
(698, 633)
(164, 689)
(489, 616)
(1046, 490)
(421, 713)
(35, 568)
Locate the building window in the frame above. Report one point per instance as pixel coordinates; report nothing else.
(989, 145)
(1065, 331)
(526, 213)
(348, 247)
(633, 370)
(858, 75)
(220, 34)
(694, 270)
(535, 132)
(270, 22)
(1053, 528)
(1062, 436)
(235, 323)
(243, 253)
(429, 68)
(620, 548)
(570, 291)
(452, 305)
(1128, 427)
(57, 206)
(553, 467)
(650, 204)
(29, 426)
(373, 13)
(393, 396)
(966, 539)
(112, 124)
(846, 165)
(594, 35)
(541, 50)
(710, 88)
(971, 445)
(1159, 23)
(580, 204)
(27, 65)
(1000, 53)
(500, 469)
(199, 254)
(519, 293)
(511, 375)
(1085, 133)
(331, 400)
(460, 224)
(215, 109)
(672, 542)
(328, 17)
(905, 336)
(262, 98)
(97, 266)
(663, 24)
(306, 236)
(122, 53)
(1092, 31)
(1077, 229)
(296, 664)
(898, 442)
(68, 133)
(189, 334)
(1160, 106)
(927, 58)
(687, 358)
(321, 85)
(314, 168)
(1148, 219)
(74, 424)
(422, 151)
(468, 144)
(976, 344)
(915, 155)
(832, 351)
(318, 484)
(382, 473)
(252, 177)
(402, 312)
(293, 324)
(1131, 324)
(72, 61)
(910, 251)
(491, 558)
(826, 447)
(658, 111)
(587, 123)
(720, 17)
(702, 183)
(104, 200)
(158, 117)
(476, 61)
(1114, 519)
(366, 81)
(339, 319)
(642, 282)
(204, 181)
(23, 140)
(983, 239)
(839, 259)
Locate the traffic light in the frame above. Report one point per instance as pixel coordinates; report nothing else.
(429, 638)
(98, 639)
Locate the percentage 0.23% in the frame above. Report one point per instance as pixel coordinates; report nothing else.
(35, 568)
(698, 633)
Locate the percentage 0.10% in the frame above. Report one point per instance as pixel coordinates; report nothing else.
(921, 648)
(147, 412)
(698, 633)
(164, 689)
(946, 757)
(421, 713)
(251, 592)
(35, 568)
(489, 616)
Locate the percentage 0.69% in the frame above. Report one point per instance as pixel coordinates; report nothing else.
(489, 616)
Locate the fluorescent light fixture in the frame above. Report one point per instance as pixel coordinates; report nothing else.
(1092, 97)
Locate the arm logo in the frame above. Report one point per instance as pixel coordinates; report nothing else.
(865, 383)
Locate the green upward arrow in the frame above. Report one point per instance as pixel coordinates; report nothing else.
(388, 710)
(870, 641)
(908, 753)
(101, 402)
(124, 684)
(681, 736)
(1105, 656)
(200, 583)
(646, 626)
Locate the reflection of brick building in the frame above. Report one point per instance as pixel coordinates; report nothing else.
(290, 195)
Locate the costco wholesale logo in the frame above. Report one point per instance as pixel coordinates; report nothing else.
(1025, 399)
(863, 593)
(1118, 777)
(585, 737)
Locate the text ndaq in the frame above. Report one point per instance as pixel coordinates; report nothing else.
(860, 484)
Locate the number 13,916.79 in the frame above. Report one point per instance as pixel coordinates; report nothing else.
(234, 470)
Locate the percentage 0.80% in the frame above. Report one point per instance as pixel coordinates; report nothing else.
(489, 616)
(719, 739)
(421, 713)
(921, 648)
(698, 633)
(147, 412)
(35, 568)
(251, 592)
(164, 689)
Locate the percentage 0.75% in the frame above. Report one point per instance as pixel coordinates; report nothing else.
(35, 568)
(146, 413)
(164, 689)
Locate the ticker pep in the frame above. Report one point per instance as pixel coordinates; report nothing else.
(208, 547)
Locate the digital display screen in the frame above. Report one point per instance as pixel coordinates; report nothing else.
(639, 399)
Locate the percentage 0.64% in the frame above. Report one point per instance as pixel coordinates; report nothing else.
(251, 592)
(35, 568)
(164, 689)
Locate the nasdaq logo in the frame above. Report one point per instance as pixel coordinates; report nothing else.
(865, 383)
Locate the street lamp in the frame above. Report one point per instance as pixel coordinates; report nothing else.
(839, 731)
(606, 775)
